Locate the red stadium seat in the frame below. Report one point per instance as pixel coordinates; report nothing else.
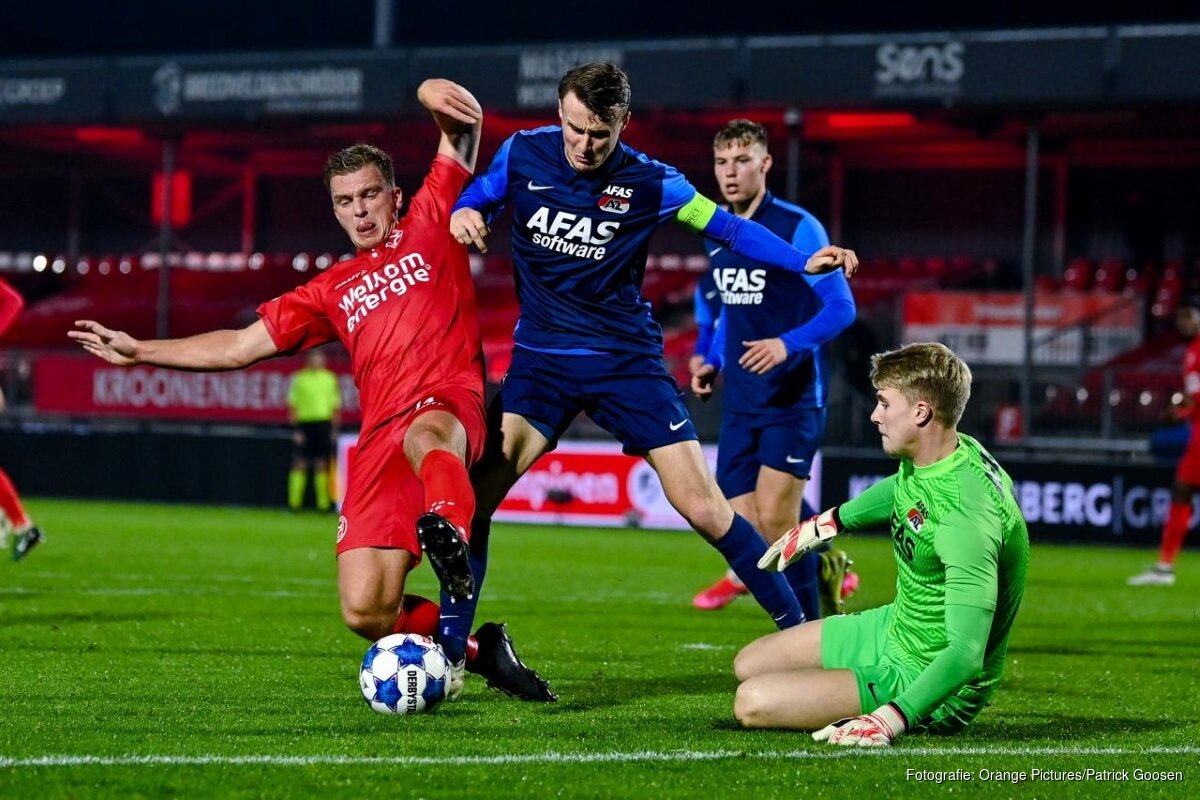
(1078, 275)
(908, 267)
(1139, 280)
(1109, 275)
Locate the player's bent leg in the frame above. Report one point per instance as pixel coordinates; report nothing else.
(1179, 518)
(371, 588)
(806, 699)
(10, 503)
(435, 445)
(782, 651)
(730, 586)
(511, 451)
(779, 496)
(691, 490)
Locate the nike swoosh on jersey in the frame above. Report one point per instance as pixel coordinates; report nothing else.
(535, 187)
(677, 425)
(712, 253)
(791, 460)
(710, 295)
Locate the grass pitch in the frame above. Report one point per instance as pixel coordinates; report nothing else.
(150, 651)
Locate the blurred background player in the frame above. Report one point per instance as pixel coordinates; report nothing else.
(770, 337)
(14, 521)
(584, 208)
(404, 308)
(931, 658)
(1187, 473)
(313, 402)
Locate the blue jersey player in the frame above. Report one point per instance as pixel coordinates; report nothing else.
(771, 338)
(584, 208)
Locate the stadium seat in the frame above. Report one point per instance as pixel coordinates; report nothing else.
(1078, 275)
(1140, 280)
(935, 267)
(908, 267)
(1109, 275)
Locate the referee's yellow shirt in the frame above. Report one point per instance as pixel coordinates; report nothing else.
(314, 395)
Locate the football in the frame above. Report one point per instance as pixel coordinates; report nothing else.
(404, 673)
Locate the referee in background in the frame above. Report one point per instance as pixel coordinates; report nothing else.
(314, 401)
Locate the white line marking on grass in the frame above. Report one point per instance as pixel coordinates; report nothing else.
(705, 646)
(578, 758)
(164, 591)
(134, 577)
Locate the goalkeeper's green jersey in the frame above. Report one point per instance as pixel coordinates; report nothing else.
(959, 540)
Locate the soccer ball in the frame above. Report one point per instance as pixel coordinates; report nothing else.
(404, 673)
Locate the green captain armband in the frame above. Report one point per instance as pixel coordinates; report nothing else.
(696, 213)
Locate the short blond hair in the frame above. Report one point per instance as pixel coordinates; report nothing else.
(742, 132)
(927, 371)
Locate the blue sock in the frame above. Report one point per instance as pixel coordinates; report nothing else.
(457, 618)
(742, 548)
(803, 577)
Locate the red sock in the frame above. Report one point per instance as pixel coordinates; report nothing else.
(1174, 531)
(448, 489)
(10, 504)
(417, 615)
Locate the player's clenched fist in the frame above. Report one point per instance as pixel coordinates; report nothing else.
(115, 347)
(806, 536)
(468, 226)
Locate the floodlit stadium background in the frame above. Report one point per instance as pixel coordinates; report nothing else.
(177, 634)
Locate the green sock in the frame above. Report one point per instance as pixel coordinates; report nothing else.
(295, 489)
(321, 487)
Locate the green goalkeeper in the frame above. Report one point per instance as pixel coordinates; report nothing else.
(930, 659)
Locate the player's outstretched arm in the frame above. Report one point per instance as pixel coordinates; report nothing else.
(206, 352)
(749, 239)
(458, 114)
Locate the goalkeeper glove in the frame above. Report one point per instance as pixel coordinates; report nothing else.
(808, 535)
(877, 729)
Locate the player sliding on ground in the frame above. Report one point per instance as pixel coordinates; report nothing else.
(931, 659)
(584, 208)
(405, 310)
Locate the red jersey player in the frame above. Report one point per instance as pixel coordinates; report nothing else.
(1187, 474)
(404, 307)
(12, 514)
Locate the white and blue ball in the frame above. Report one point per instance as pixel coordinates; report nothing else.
(404, 673)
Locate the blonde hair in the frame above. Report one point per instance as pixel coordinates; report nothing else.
(742, 132)
(927, 371)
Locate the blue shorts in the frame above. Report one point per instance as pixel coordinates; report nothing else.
(750, 441)
(630, 395)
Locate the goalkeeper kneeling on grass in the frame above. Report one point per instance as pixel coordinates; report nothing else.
(929, 660)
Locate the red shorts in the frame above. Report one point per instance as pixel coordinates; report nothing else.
(384, 496)
(1188, 470)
